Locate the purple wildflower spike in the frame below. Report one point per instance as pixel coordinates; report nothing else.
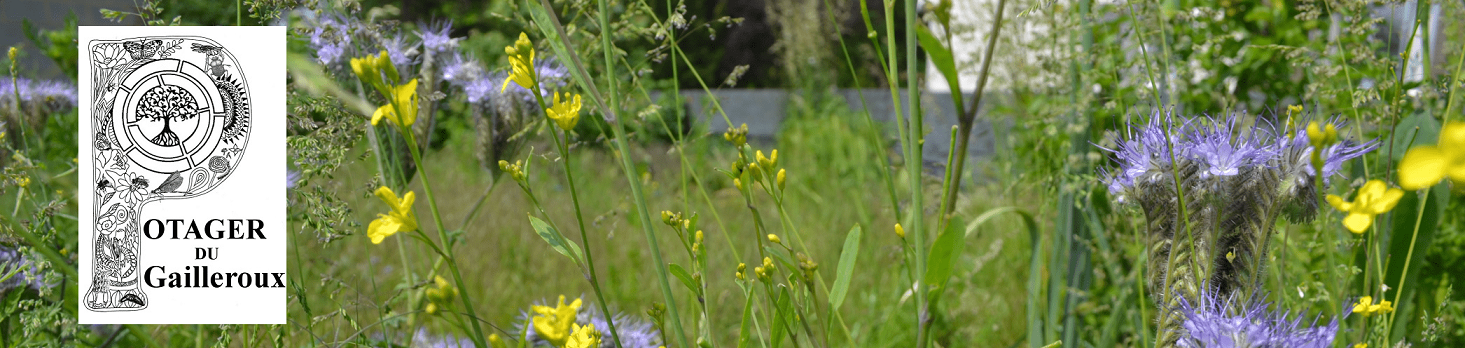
(1222, 152)
(435, 36)
(460, 69)
(1216, 323)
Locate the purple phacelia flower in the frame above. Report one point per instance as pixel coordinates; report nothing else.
(435, 36)
(402, 51)
(1223, 152)
(331, 39)
(459, 69)
(422, 338)
(291, 178)
(42, 96)
(1218, 323)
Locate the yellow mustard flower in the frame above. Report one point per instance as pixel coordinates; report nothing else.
(584, 337)
(400, 219)
(1373, 198)
(1320, 136)
(371, 69)
(521, 61)
(1366, 306)
(1423, 166)
(441, 295)
(402, 111)
(1361, 345)
(553, 323)
(899, 231)
(565, 113)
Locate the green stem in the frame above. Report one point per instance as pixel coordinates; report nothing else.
(630, 170)
(913, 165)
(447, 249)
(593, 278)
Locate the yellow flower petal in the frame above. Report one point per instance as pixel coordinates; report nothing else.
(383, 227)
(1422, 167)
(1357, 223)
(1339, 203)
(1386, 201)
(1452, 138)
(384, 110)
(406, 101)
(386, 195)
(1362, 305)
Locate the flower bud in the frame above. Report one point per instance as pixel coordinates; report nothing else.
(899, 231)
(773, 238)
(780, 179)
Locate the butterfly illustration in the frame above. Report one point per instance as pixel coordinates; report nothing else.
(142, 49)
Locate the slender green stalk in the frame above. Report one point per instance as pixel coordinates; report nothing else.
(447, 249)
(593, 278)
(913, 165)
(623, 148)
(1423, 202)
(968, 116)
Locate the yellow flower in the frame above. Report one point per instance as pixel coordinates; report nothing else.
(738, 136)
(899, 231)
(584, 337)
(496, 342)
(781, 179)
(371, 69)
(774, 239)
(553, 323)
(1366, 306)
(1423, 166)
(1321, 136)
(565, 113)
(521, 61)
(767, 162)
(401, 218)
(402, 111)
(1361, 345)
(440, 295)
(1373, 198)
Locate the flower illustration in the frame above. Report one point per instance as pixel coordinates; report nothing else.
(109, 55)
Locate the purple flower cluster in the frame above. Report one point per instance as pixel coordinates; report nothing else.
(337, 38)
(422, 338)
(1216, 323)
(1220, 148)
(436, 37)
(38, 95)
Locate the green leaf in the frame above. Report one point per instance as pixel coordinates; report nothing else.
(941, 57)
(745, 331)
(556, 240)
(846, 269)
(1412, 131)
(1413, 232)
(783, 321)
(686, 278)
(944, 254)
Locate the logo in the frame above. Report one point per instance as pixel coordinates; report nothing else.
(172, 117)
